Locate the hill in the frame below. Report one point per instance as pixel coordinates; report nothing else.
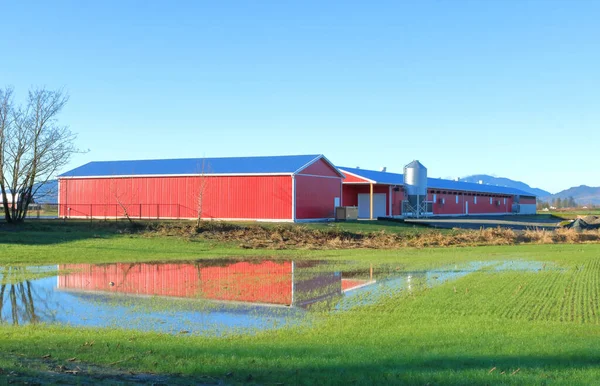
(583, 195)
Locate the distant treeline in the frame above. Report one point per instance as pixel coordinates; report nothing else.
(560, 203)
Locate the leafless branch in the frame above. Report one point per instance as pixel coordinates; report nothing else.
(33, 147)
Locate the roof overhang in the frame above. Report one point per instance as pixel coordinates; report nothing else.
(178, 175)
(328, 162)
(366, 180)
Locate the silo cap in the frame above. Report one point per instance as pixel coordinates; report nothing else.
(415, 164)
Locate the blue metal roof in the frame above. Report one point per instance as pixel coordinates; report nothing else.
(286, 164)
(434, 183)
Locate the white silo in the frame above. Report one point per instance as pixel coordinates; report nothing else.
(415, 186)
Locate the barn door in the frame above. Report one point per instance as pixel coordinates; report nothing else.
(379, 205)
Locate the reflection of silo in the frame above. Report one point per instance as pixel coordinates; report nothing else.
(415, 186)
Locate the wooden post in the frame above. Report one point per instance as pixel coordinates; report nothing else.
(371, 273)
(371, 201)
(140, 211)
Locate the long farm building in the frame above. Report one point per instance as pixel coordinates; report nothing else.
(279, 188)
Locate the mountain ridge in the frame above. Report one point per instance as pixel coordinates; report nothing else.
(583, 194)
(486, 179)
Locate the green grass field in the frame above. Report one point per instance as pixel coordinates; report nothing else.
(489, 327)
(573, 214)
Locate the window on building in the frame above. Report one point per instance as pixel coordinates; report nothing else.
(490, 200)
(457, 198)
(504, 200)
(474, 199)
(434, 198)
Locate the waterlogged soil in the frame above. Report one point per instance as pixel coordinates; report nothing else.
(213, 297)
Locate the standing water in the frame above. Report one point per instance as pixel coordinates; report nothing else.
(206, 297)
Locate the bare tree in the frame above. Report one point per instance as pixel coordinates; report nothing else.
(201, 190)
(33, 147)
(120, 198)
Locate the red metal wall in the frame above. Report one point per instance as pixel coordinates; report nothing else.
(265, 282)
(527, 200)
(483, 206)
(450, 207)
(320, 168)
(232, 197)
(351, 191)
(397, 198)
(315, 196)
(351, 178)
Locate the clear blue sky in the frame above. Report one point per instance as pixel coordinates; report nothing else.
(510, 88)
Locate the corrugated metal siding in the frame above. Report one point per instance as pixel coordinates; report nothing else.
(320, 168)
(251, 197)
(527, 200)
(397, 197)
(265, 282)
(483, 206)
(315, 196)
(351, 193)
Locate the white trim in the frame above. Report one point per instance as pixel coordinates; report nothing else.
(314, 175)
(180, 175)
(321, 157)
(293, 198)
(341, 194)
(308, 164)
(390, 201)
(356, 175)
(333, 166)
(58, 199)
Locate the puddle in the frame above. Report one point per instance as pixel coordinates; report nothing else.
(209, 297)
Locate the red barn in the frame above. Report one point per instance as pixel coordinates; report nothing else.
(279, 188)
(381, 194)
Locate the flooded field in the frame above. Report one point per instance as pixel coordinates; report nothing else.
(210, 297)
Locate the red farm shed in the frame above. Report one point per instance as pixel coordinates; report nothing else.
(278, 188)
(381, 194)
